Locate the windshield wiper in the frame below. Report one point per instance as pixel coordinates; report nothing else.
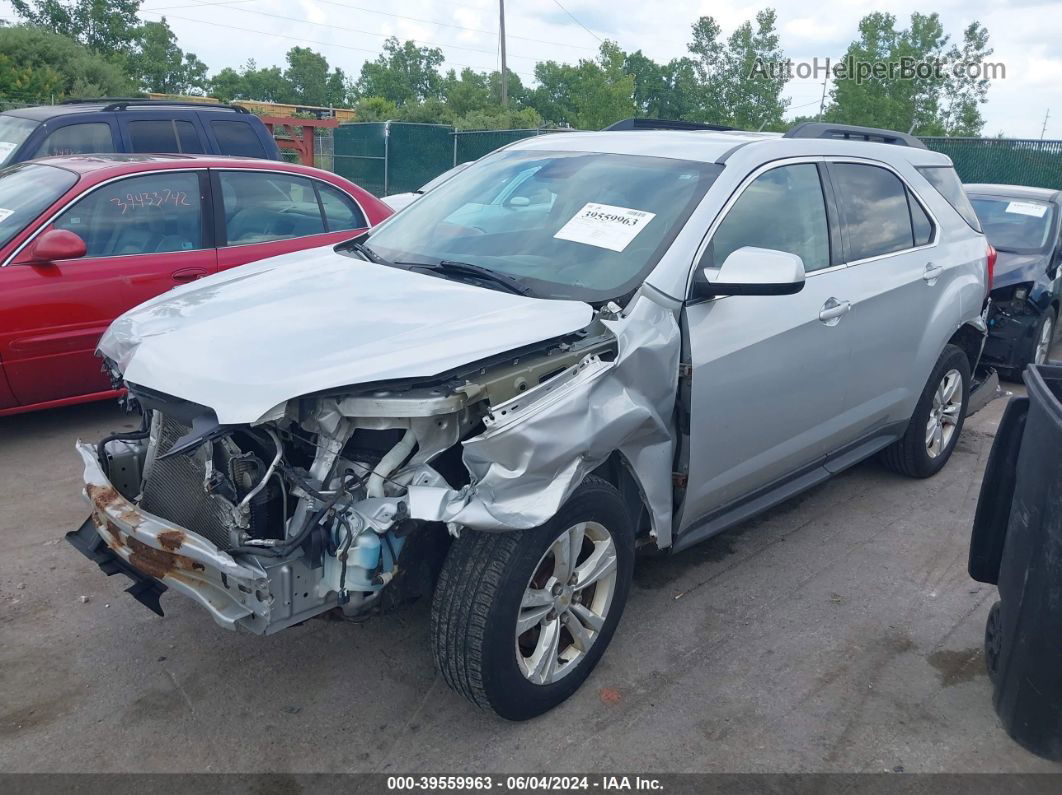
(455, 268)
(366, 252)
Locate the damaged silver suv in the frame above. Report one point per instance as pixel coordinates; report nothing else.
(582, 346)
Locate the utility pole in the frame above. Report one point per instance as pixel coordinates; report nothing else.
(1044, 128)
(822, 102)
(504, 70)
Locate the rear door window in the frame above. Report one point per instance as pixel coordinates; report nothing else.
(261, 206)
(164, 135)
(341, 212)
(874, 209)
(147, 214)
(237, 138)
(78, 139)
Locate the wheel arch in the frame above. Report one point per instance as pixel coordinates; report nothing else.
(617, 471)
(970, 339)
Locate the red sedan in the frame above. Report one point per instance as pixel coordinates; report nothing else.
(83, 239)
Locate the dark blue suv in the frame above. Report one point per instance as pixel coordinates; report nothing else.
(132, 125)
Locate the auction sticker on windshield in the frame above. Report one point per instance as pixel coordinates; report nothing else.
(1027, 208)
(5, 213)
(605, 226)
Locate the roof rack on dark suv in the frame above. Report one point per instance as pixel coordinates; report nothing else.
(816, 129)
(664, 124)
(122, 103)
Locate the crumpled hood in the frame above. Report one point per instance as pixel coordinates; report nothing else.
(250, 338)
(1014, 268)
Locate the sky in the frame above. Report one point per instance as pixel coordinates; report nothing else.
(1025, 34)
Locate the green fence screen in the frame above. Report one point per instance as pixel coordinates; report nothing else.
(1008, 161)
(394, 157)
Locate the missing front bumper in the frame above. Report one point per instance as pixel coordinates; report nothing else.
(157, 555)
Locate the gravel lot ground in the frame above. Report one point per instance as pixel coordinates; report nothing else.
(838, 633)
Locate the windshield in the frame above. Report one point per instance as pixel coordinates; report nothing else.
(443, 177)
(13, 131)
(575, 225)
(1020, 225)
(26, 190)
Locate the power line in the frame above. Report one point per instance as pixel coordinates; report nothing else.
(304, 40)
(576, 21)
(365, 32)
(387, 14)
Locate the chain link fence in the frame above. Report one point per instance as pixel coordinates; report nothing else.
(1008, 161)
(396, 157)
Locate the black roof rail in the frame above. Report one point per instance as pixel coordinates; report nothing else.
(663, 124)
(123, 103)
(852, 132)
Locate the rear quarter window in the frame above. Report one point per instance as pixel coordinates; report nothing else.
(947, 183)
(237, 138)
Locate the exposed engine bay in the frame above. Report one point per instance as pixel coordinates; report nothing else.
(348, 498)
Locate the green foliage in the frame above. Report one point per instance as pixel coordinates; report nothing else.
(376, 109)
(38, 66)
(311, 82)
(108, 27)
(721, 80)
(159, 65)
(402, 73)
(936, 102)
(588, 95)
(753, 101)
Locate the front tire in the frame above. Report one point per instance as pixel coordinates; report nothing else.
(520, 618)
(937, 420)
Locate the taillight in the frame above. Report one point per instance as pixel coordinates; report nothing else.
(990, 269)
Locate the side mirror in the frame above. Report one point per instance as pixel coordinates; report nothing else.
(519, 201)
(53, 246)
(753, 271)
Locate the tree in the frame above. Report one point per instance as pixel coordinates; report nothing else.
(263, 85)
(402, 73)
(967, 86)
(589, 95)
(470, 92)
(932, 98)
(311, 81)
(161, 66)
(107, 27)
(39, 66)
(753, 100)
(376, 109)
(708, 63)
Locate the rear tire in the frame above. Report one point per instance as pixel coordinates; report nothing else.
(494, 583)
(937, 420)
(993, 642)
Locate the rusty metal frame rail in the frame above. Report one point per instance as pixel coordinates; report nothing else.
(144, 589)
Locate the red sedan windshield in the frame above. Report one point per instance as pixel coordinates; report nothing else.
(27, 190)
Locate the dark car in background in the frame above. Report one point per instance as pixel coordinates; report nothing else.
(1023, 225)
(99, 126)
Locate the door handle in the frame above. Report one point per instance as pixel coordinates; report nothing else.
(188, 274)
(931, 272)
(833, 310)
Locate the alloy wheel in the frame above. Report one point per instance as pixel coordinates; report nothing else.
(944, 413)
(566, 603)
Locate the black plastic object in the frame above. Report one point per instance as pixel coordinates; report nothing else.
(144, 589)
(851, 132)
(1020, 513)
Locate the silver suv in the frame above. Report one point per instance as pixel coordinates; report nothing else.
(582, 346)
